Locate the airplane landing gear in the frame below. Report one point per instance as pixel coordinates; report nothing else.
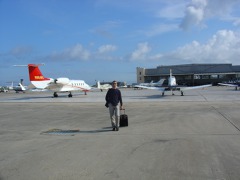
(70, 94)
(182, 93)
(162, 93)
(55, 94)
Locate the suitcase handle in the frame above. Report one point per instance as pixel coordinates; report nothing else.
(123, 109)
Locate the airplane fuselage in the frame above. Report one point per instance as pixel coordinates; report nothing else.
(72, 85)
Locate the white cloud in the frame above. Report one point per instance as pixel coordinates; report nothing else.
(140, 53)
(223, 47)
(194, 13)
(76, 52)
(223, 8)
(159, 29)
(171, 10)
(198, 11)
(106, 48)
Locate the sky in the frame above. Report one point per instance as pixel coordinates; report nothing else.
(107, 40)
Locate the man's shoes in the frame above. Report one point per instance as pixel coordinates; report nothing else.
(115, 129)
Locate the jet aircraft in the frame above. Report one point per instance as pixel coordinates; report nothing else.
(61, 84)
(172, 86)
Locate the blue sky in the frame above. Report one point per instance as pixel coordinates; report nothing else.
(107, 39)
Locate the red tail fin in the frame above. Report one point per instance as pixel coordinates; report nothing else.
(35, 73)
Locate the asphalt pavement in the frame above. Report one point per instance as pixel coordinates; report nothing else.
(191, 137)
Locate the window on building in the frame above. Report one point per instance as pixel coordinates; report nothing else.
(188, 77)
(148, 79)
(197, 77)
(222, 76)
(205, 76)
(214, 76)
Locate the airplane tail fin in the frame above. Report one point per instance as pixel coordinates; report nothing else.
(35, 74)
(98, 84)
(160, 82)
(172, 80)
(36, 77)
(22, 87)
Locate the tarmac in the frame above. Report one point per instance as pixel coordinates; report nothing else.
(191, 137)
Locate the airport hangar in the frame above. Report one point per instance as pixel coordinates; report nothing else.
(191, 74)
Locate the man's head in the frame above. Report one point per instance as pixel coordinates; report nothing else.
(114, 84)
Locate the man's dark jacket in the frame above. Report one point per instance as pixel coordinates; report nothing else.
(114, 96)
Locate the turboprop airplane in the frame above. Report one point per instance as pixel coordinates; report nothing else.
(172, 86)
(61, 84)
(236, 85)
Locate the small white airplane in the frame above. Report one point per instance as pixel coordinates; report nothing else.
(172, 86)
(20, 88)
(11, 86)
(231, 85)
(61, 84)
(103, 86)
(17, 89)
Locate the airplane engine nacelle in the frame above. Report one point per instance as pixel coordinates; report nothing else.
(61, 81)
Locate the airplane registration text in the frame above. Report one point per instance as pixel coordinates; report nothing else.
(38, 77)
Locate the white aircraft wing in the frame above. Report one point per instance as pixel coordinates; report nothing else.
(194, 87)
(231, 85)
(54, 86)
(152, 87)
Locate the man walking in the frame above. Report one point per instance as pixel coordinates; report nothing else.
(113, 98)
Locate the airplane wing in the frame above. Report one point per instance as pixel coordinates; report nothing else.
(175, 88)
(55, 87)
(194, 87)
(151, 87)
(231, 85)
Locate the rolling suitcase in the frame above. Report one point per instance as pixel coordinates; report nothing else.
(123, 119)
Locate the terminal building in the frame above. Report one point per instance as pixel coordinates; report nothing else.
(191, 74)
